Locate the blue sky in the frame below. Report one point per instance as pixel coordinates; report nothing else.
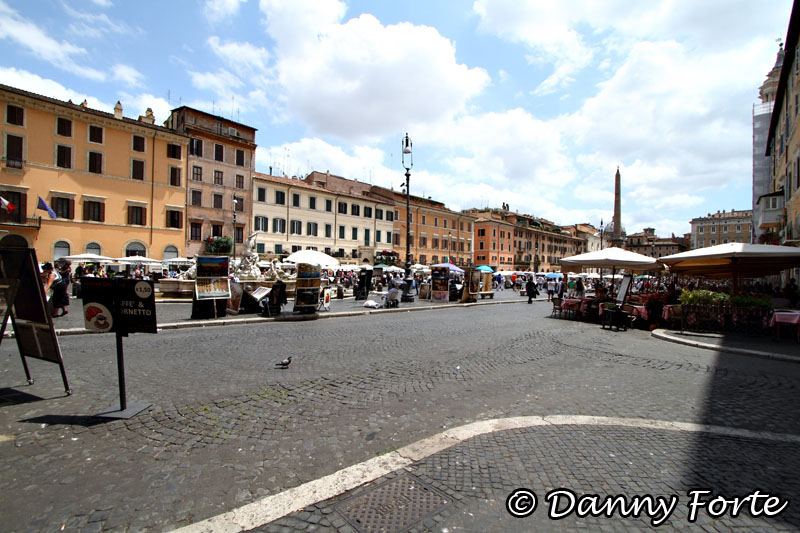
(533, 104)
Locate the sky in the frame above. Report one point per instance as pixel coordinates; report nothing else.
(530, 103)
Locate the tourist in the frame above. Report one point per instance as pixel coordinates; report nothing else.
(551, 289)
(579, 288)
(530, 289)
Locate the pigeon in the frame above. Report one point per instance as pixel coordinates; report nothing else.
(285, 363)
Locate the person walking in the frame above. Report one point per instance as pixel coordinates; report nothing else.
(530, 289)
(60, 299)
(551, 289)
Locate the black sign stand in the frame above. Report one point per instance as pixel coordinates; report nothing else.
(25, 303)
(131, 304)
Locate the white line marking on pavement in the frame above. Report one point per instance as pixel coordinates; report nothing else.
(271, 508)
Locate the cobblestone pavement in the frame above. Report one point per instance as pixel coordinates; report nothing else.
(227, 428)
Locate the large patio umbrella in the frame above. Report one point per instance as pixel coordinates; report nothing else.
(88, 258)
(137, 260)
(485, 268)
(611, 258)
(734, 259)
(313, 257)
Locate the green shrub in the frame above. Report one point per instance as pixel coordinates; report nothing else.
(219, 245)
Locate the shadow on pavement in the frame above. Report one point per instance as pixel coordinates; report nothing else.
(758, 395)
(10, 396)
(68, 420)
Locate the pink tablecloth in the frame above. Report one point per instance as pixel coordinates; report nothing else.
(640, 311)
(785, 317)
(571, 304)
(670, 312)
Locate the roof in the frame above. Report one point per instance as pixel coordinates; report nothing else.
(88, 110)
(218, 117)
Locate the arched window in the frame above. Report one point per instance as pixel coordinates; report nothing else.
(93, 248)
(60, 249)
(135, 248)
(170, 252)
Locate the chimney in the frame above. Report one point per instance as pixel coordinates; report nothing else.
(270, 171)
(118, 110)
(148, 117)
(84, 104)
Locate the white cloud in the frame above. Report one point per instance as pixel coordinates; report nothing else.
(221, 9)
(28, 35)
(27, 81)
(135, 105)
(245, 58)
(220, 83)
(102, 3)
(360, 79)
(94, 26)
(127, 74)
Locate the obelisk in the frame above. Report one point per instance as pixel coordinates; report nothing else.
(616, 237)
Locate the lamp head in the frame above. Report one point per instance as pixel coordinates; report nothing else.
(406, 153)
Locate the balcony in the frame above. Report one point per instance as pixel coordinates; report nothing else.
(16, 164)
(13, 219)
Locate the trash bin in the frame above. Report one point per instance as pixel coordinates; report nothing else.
(76, 289)
(340, 292)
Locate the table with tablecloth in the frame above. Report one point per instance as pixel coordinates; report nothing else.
(785, 317)
(576, 304)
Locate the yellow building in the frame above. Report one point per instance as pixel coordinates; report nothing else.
(117, 185)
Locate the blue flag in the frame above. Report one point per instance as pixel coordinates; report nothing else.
(43, 205)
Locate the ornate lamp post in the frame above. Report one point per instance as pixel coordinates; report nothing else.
(407, 158)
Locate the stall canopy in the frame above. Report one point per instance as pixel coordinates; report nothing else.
(734, 259)
(451, 266)
(612, 258)
(313, 257)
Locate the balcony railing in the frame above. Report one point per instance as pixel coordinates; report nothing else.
(13, 163)
(15, 220)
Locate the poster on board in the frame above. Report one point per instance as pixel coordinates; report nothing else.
(306, 297)
(212, 280)
(439, 284)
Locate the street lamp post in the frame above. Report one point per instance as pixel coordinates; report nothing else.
(235, 201)
(407, 158)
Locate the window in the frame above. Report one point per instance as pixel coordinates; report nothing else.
(175, 176)
(311, 228)
(700, 229)
(13, 151)
(197, 198)
(278, 226)
(238, 204)
(238, 234)
(260, 248)
(295, 227)
(328, 231)
(96, 162)
(15, 115)
(197, 173)
(378, 213)
(424, 220)
(312, 202)
(354, 234)
(137, 215)
(389, 237)
(366, 237)
(724, 229)
(328, 205)
(367, 212)
(261, 223)
(389, 216)
(138, 143)
(280, 197)
(278, 248)
(295, 199)
(219, 152)
(436, 221)
(216, 230)
(435, 242)
(261, 194)
(137, 169)
(195, 231)
(713, 229)
(218, 177)
(93, 248)
(95, 134)
(342, 208)
(396, 239)
(738, 228)
(174, 219)
(94, 211)
(64, 127)
(341, 232)
(60, 249)
(63, 156)
(444, 223)
(713, 242)
(196, 147)
(378, 236)
(423, 241)
(174, 151)
(482, 232)
(239, 181)
(217, 202)
(239, 158)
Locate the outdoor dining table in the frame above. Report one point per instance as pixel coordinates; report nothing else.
(576, 304)
(785, 317)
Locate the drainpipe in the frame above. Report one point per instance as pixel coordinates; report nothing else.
(152, 186)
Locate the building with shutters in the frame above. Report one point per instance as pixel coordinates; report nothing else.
(116, 185)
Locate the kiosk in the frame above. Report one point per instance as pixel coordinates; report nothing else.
(439, 284)
(306, 296)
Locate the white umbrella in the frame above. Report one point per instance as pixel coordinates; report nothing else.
(612, 258)
(615, 276)
(88, 258)
(593, 275)
(137, 260)
(313, 257)
(734, 259)
(179, 261)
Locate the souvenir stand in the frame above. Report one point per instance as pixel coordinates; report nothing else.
(307, 290)
(212, 288)
(439, 284)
